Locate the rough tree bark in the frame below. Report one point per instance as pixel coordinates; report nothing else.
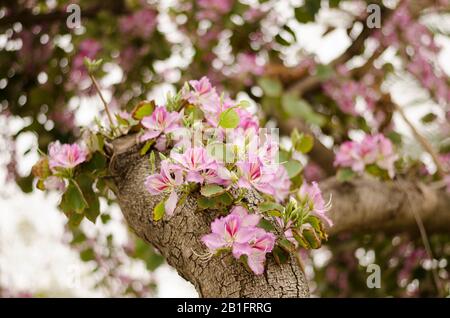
(178, 239)
(368, 205)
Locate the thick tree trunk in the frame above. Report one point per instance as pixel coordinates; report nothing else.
(178, 240)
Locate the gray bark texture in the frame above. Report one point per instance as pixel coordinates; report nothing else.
(178, 239)
(367, 205)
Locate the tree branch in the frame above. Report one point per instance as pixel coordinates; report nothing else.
(27, 18)
(368, 205)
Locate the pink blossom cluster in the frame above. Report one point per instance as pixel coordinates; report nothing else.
(248, 64)
(345, 91)
(375, 149)
(239, 233)
(213, 9)
(140, 23)
(253, 164)
(404, 27)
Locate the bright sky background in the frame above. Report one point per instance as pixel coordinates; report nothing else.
(32, 254)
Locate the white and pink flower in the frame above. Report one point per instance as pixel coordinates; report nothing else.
(238, 232)
(311, 195)
(165, 182)
(375, 149)
(65, 156)
(160, 122)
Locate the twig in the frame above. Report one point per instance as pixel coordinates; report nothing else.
(423, 141)
(105, 104)
(426, 244)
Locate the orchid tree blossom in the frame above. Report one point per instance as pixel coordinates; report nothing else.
(312, 196)
(375, 149)
(228, 232)
(165, 182)
(238, 231)
(161, 121)
(254, 174)
(65, 156)
(198, 165)
(256, 249)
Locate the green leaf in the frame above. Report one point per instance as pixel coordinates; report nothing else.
(324, 72)
(271, 87)
(92, 65)
(92, 211)
(143, 109)
(211, 190)
(159, 210)
(96, 164)
(73, 200)
(334, 3)
(219, 202)
(311, 237)
(286, 245)
(280, 255)
(317, 225)
(345, 174)
(87, 255)
(266, 225)
(429, 118)
(270, 206)
(293, 167)
(297, 107)
(395, 137)
(243, 103)
(229, 119)
(279, 39)
(74, 218)
(146, 147)
(148, 254)
(121, 121)
(152, 162)
(305, 143)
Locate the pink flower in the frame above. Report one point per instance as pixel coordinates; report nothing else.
(254, 174)
(256, 249)
(238, 232)
(247, 120)
(198, 165)
(160, 121)
(226, 233)
(312, 196)
(349, 156)
(375, 149)
(65, 156)
(141, 23)
(165, 182)
(386, 157)
(281, 184)
(246, 219)
(203, 95)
